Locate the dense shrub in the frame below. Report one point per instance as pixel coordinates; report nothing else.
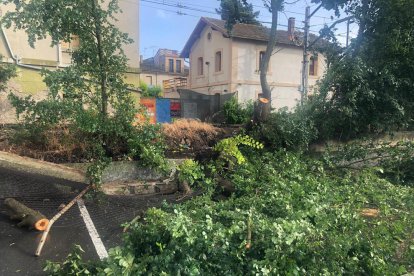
(284, 129)
(236, 113)
(150, 91)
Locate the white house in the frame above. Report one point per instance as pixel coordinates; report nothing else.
(221, 63)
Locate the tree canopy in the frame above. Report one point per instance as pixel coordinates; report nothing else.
(237, 11)
(369, 86)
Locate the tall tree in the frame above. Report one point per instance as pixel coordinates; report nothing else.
(91, 94)
(370, 87)
(237, 11)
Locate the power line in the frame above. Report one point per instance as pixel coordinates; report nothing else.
(180, 6)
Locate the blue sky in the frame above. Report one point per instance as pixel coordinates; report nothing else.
(164, 24)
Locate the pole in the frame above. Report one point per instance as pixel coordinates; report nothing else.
(347, 32)
(305, 67)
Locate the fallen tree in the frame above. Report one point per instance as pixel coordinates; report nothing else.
(27, 216)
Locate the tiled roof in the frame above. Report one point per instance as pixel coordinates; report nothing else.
(240, 31)
(249, 31)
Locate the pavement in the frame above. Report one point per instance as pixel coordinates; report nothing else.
(45, 194)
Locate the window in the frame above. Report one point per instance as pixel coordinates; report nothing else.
(313, 66)
(171, 65)
(70, 46)
(178, 66)
(261, 57)
(200, 66)
(148, 80)
(218, 61)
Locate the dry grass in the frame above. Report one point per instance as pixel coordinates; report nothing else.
(192, 133)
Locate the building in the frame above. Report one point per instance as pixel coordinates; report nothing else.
(14, 45)
(222, 64)
(14, 48)
(167, 70)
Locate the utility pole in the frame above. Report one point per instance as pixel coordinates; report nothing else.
(305, 67)
(306, 46)
(347, 32)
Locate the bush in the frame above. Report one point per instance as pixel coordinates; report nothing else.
(289, 130)
(236, 113)
(191, 172)
(150, 91)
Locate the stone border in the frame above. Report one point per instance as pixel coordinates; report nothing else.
(120, 178)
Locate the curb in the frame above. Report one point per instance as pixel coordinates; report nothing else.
(30, 165)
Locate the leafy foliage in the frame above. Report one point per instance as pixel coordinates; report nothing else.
(289, 215)
(367, 88)
(289, 130)
(73, 265)
(237, 11)
(150, 91)
(236, 113)
(190, 171)
(147, 144)
(90, 96)
(229, 149)
(7, 71)
(393, 161)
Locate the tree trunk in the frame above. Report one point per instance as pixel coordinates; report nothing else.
(103, 77)
(264, 106)
(28, 217)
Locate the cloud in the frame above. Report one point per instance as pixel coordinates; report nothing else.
(161, 14)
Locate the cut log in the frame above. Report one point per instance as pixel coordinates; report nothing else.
(28, 217)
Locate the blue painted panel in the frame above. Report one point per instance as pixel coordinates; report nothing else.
(163, 111)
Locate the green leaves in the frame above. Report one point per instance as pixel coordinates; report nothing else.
(229, 148)
(236, 113)
(366, 86)
(89, 97)
(190, 171)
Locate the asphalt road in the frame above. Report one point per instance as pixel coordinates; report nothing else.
(45, 194)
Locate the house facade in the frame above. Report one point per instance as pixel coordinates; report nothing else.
(221, 63)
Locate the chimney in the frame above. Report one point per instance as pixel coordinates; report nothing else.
(291, 28)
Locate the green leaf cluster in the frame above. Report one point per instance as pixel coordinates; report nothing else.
(367, 88)
(290, 215)
(229, 148)
(236, 113)
(190, 171)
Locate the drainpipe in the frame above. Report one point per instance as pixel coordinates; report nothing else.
(15, 57)
(59, 55)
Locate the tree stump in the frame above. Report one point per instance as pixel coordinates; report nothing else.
(28, 217)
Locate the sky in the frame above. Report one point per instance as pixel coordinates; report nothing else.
(169, 23)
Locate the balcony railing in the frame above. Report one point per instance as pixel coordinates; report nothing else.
(174, 84)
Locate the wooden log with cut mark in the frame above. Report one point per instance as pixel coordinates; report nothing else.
(27, 216)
